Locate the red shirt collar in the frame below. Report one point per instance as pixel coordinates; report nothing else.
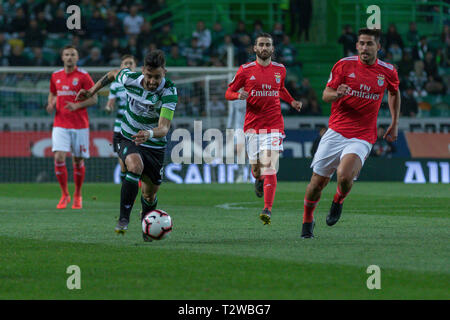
(262, 65)
(367, 65)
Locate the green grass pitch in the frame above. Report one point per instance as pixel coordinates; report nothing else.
(219, 249)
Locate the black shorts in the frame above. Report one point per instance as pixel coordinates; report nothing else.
(116, 140)
(153, 159)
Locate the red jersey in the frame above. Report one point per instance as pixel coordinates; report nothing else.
(265, 86)
(66, 86)
(355, 114)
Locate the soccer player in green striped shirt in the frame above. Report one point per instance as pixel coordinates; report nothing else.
(151, 102)
(118, 95)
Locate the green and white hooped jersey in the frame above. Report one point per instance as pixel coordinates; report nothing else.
(118, 92)
(144, 108)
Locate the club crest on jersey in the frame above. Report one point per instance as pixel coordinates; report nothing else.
(380, 78)
(277, 77)
(75, 81)
(152, 97)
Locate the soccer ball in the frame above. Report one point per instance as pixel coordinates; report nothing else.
(157, 224)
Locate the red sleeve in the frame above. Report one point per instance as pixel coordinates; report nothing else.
(238, 80)
(284, 94)
(52, 86)
(336, 76)
(87, 83)
(393, 82)
(231, 95)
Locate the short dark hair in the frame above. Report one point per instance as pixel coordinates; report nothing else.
(155, 59)
(69, 46)
(263, 35)
(370, 32)
(128, 56)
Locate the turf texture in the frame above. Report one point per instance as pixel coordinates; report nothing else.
(219, 249)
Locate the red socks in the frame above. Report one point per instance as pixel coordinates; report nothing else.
(308, 213)
(270, 185)
(78, 177)
(339, 196)
(61, 175)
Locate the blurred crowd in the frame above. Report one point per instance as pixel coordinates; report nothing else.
(32, 32)
(422, 63)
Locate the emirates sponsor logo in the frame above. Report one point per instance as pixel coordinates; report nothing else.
(364, 93)
(265, 92)
(66, 93)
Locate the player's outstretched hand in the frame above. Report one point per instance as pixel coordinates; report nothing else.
(141, 137)
(108, 109)
(83, 94)
(50, 108)
(391, 133)
(297, 105)
(71, 106)
(243, 95)
(342, 90)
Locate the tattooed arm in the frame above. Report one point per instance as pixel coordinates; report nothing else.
(103, 82)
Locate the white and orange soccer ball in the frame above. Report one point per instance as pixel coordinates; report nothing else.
(157, 224)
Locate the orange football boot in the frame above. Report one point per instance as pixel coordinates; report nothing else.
(63, 202)
(77, 202)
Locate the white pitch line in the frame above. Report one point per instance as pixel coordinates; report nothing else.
(231, 205)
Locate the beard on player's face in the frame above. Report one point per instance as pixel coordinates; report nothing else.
(263, 54)
(367, 56)
(367, 47)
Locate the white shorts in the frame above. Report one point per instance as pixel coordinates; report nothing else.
(332, 148)
(265, 141)
(75, 141)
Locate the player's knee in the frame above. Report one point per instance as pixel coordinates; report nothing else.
(78, 161)
(60, 157)
(134, 167)
(344, 177)
(315, 187)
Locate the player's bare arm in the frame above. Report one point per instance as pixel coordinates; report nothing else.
(83, 104)
(51, 103)
(160, 131)
(103, 82)
(330, 95)
(394, 100)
